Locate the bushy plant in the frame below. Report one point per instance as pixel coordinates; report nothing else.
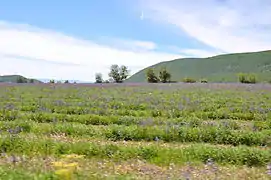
(189, 80)
(204, 81)
(151, 77)
(247, 78)
(21, 80)
(98, 78)
(118, 73)
(164, 75)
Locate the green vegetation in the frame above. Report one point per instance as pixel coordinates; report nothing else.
(99, 78)
(222, 68)
(154, 131)
(247, 78)
(117, 74)
(189, 80)
(151, 77)
(164, 76)
(17, 79)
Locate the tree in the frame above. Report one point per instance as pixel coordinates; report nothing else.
(52, 81)
(31, 81)
(118, 74)
(67, 82)
(247, 78)
(124, 72)
(151, 77)
(99, 78)
(164, 75)
(21, 80)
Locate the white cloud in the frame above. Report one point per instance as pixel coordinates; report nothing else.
(198, 53)
(35, 52)
(228, 25)
(128, 44)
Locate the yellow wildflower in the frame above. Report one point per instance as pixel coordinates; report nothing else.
(71, 166)
(58, 164)
(73, 156)
(64, 174)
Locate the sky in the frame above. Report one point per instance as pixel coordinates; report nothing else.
(76, 39)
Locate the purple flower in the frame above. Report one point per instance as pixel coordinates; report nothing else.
(269, 169)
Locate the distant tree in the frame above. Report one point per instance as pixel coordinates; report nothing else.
(247, 78)
(189, 80)
(124, 72)
(98, 78)
(118, 74)
(151, 77)
(31, 80)
(106, 81)
(66, 82)
(203, 80)
(164, 75)
(52, 81)
(21, 80)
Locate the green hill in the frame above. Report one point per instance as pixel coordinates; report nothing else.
(14, 79)
(221, 68)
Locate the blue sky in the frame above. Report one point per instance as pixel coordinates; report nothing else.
(75, 39)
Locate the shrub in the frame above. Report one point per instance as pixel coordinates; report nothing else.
(98, 78)
(118, 73)
(21, 80)
(151, 77)
(189, 80)
(164, 75)
(247, 78)
(204, 81)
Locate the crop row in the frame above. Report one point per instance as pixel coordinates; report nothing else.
(197, 152)
(144, 133)
(102, 115)
(92, 119)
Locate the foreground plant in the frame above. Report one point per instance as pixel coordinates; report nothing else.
(65, 168)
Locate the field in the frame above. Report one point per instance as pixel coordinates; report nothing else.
(135, 131)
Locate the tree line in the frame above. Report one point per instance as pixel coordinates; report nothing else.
(119, 74)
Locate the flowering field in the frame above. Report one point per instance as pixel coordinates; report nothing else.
(135, 131)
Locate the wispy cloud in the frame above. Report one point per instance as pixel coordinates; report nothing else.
(128, 44)
(228, 25)
(52, 50)
(198, 53)
(41, 61)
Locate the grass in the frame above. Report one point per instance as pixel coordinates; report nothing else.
(221, 68)
(200, 131)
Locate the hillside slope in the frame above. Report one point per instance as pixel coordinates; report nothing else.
(14, 78)
(221, 68)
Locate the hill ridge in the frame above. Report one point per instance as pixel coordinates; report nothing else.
(12, 78)
(218, 68)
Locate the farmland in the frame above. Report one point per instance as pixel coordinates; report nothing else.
(135, 131)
